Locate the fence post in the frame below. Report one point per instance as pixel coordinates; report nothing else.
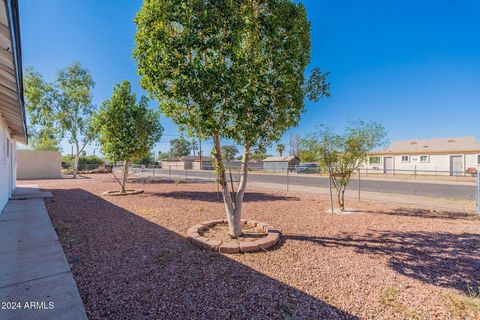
(359, 185)
(415, 172)
(153, 172)
(186, 174)
(287, 180)
(169, 172)
(478, 193)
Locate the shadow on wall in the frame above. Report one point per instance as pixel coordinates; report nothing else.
(127, 268)
(209, 196)
(441, 259)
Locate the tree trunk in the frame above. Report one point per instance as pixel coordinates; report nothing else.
(124, 178)
(235, 229)
(75, 164)
(242, 186)
(341, 198)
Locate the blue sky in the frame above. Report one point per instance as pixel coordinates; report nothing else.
(414, 66)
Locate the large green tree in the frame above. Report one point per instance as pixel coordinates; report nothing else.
(229, 152)
(230, 69)
(180, 147)
(342, 154)
(127, 129)
(63, 107)
(43, 140)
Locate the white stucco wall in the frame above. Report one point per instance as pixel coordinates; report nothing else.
(7, 164)
(436, 162)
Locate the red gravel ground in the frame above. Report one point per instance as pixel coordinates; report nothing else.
(131, 260)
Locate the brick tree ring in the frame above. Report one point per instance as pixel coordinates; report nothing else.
(117, 193)
(196, 235)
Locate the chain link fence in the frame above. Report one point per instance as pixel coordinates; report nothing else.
(432, 190)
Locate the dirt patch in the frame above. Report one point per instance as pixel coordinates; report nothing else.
(220, 232)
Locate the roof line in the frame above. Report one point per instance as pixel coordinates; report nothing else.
(15, 38)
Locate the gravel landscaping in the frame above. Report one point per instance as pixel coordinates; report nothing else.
(131, 259)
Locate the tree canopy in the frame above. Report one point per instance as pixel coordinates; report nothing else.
(180, 147)
(127, 129)
(64, 107)
(229, 69)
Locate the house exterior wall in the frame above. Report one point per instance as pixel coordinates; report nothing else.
(436, 162)
(275, 166)
(179, 165)
(206, 165)
(7, 164)
(38, 164)
(280, 165)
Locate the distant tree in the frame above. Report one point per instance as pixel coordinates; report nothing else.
(127, 129)
(343, 154)
(295, 141)
(44, 140)
(180, 147)
(163, 155)
(64, 107)
(228, 70)
(194, 147)
(147, 160)
(229, 152)
(280, 149)
(307, 156)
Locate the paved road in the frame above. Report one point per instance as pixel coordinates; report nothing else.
(441, 190)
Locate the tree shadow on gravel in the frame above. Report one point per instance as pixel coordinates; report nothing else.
(442, 259)
(129, 268)
(212, 196)
(433, 214)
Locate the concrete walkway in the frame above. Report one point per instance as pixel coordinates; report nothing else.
(35, 278)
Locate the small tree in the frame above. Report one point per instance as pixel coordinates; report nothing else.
(343, 154)
(127, 130)
(64, 107)
(180, 147)
(229, 152)
(231, 70)
(44, 140)
(280, 149)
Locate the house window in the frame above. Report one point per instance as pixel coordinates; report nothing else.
(424, 158)
(405, 158)
(374, 160)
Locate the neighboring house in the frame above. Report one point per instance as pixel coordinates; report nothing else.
(452, 156)
(253, 164)
(280, 163)
(188, 162)
(12, 113)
